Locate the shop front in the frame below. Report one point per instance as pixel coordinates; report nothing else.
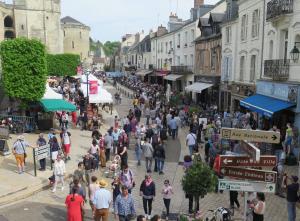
(206, 89)
(238, 92)
(275, 103)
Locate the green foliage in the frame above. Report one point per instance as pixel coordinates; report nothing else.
(62, 64)
(199, 180)
(24, 69)
(194, 109)
(109, 48)
(106, 68)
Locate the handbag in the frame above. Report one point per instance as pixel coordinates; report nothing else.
(131, 216)
(25, 154)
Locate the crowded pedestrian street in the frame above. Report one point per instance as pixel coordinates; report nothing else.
(51, 205)
(183, 110)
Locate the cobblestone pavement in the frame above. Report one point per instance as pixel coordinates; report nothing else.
(48, 206)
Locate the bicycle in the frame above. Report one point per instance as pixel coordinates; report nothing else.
(219, 214)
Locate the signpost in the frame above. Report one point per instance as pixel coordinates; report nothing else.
(244, 161)
(245, 186)
(39, 153)
(250, 135)
(250, 150)
(250, 174)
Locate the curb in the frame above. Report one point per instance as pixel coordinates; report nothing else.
(25, 192)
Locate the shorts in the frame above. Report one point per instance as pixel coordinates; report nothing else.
(67, 148)
(19, 158)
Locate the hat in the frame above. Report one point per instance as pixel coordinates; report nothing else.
(102, 183)
(20, 137)
(295, 178)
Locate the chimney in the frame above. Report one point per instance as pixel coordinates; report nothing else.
(161, 30)
(198, 3)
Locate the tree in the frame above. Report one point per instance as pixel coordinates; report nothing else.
(199, 180)
(24, 69)
(62, 64)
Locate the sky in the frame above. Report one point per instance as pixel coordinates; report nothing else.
(109, 20)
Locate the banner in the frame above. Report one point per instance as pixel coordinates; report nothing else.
(93, 87)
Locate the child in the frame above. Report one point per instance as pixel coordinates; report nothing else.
(167, 193)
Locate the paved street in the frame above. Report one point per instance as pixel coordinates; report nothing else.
(48, 206)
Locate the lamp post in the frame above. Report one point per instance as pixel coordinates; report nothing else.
(87, 73)
(294, 54)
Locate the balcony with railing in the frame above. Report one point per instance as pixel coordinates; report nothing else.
(278, 70)
(277, 8)
(182, 69)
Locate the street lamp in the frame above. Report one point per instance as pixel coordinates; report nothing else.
(87, 73)
(295, 54)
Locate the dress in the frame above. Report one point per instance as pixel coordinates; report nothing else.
(74, 207)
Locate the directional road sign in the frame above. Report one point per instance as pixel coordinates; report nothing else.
(251, 150)
(245, 186)
(249, 174)
(42, 152)
(250, 135)
(245, 161)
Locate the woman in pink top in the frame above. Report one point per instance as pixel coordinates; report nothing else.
(167, 193)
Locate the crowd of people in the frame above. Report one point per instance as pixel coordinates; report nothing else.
(147, 125)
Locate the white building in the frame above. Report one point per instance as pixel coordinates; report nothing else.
(243, 46)
(173, 49)
(280, 78)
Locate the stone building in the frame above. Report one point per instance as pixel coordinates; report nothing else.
(32, 19)
(76, 38)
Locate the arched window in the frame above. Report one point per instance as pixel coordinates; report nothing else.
(9, 35)
(271, 50)
(8, 22)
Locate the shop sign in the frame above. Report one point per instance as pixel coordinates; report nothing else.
(249, 174)
(251, 150)
(284, 92)
(245, 161)
(245, 186)
(250, 135)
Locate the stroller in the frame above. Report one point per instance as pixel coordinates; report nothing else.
(114, 167)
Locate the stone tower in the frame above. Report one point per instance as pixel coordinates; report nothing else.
(40, 20)
(198, 3)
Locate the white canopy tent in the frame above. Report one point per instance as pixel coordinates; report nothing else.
(103, 96)
(51, 94)
(91, 78)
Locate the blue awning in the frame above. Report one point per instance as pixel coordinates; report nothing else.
(265, 105)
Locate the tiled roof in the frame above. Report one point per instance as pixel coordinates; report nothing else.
(70, 20)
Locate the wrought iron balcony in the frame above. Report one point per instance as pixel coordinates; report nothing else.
(276, 8)
(278, 69)
(182, 69)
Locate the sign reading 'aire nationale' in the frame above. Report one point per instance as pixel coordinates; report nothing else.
(250, 135)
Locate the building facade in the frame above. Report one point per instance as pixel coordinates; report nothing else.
(208, 56)
(33, 19)
(76, 38)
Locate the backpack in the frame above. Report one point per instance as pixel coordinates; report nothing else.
(155, 139)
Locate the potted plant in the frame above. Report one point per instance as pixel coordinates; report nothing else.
(198, 181)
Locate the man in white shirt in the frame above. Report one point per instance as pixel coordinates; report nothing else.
(191, 139)
(101, 202)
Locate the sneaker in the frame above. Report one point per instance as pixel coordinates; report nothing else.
(167, 218)
(53, 191)
(62, 188)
